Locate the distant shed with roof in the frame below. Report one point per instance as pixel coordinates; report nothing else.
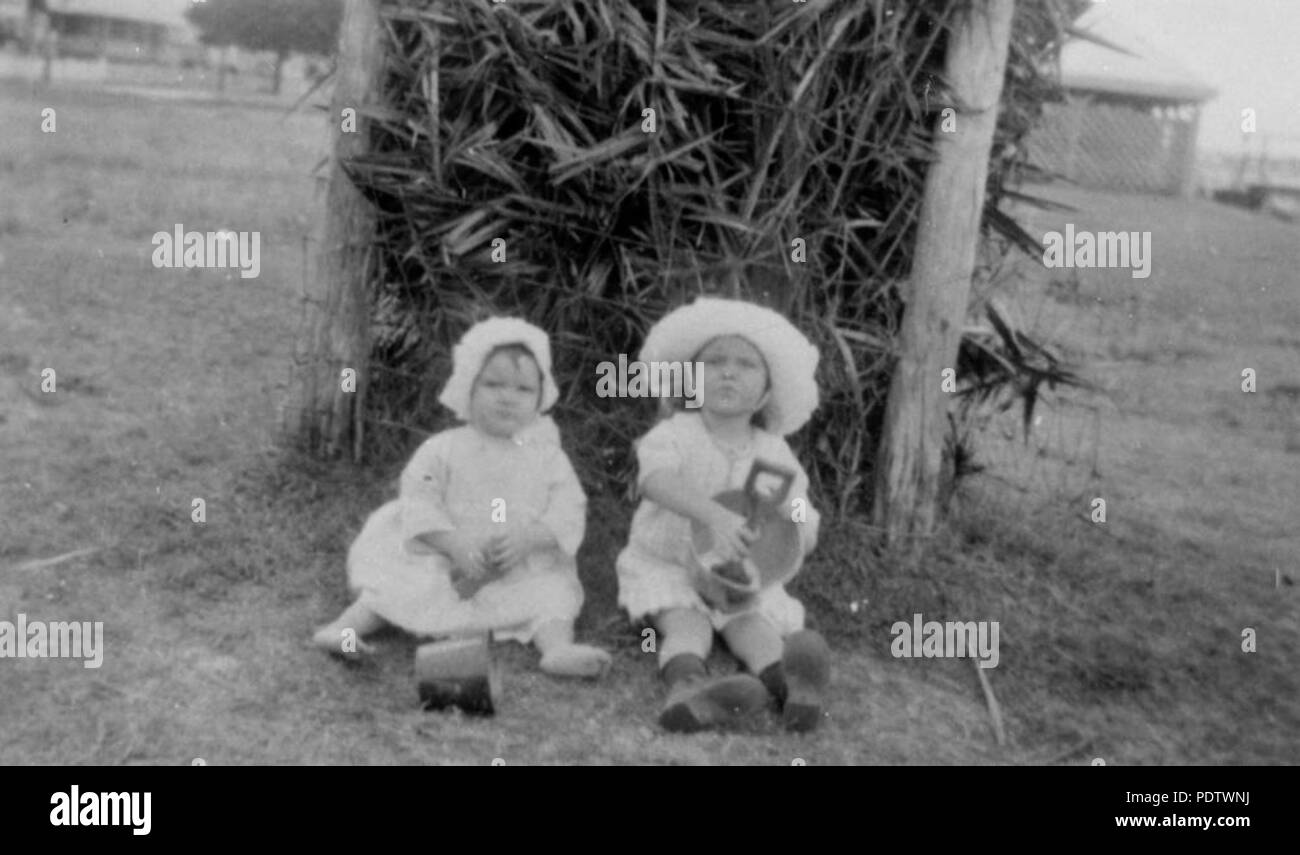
(121, 30)
(1129, 119)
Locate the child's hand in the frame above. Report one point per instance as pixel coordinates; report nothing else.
(469, 559)
(731, 534)
(512, 546)
(472, 567)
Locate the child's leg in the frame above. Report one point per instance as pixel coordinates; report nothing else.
(755, 640)
(563, 658)
(694, 700)
(796, 671)
(357, 618)
(682, 632)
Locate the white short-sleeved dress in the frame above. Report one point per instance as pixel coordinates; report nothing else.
(455, 481)
(653, 570)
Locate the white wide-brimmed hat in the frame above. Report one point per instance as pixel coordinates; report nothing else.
(791, 359)
(472, 350)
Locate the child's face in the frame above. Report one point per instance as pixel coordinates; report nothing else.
(735, 377)
(506, 395)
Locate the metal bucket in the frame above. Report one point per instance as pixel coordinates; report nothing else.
(457, 673)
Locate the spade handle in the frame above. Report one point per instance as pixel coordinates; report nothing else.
(752, 499)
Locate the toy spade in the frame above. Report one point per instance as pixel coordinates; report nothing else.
(774, 556)
(458, 673)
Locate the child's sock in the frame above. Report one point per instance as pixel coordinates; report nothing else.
(806, 668)
(561, 657)
(332, 640)
(343, 636)
(575, 660)
(682, 667)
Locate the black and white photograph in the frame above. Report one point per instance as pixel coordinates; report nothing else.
(872, 383)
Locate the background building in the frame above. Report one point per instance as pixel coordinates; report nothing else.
(1129, 121)
(153, 31)
(123, 30)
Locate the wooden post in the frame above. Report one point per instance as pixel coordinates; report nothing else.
(1187, 165)
(323, 417)
(222, 61)
(277, 74)
(49, 49)
(1076, 108)
(909, 458)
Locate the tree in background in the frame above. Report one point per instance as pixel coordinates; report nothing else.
(279, 26)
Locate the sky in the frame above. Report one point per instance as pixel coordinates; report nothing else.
(1249, 50)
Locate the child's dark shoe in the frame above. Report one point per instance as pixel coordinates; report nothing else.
(806, 667)
(702, 703)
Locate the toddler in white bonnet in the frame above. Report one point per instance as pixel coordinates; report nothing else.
(484, 534)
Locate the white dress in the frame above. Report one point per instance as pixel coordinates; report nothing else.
(457, 480)
(653, 570)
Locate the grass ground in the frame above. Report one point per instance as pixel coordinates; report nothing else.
(1120, 640)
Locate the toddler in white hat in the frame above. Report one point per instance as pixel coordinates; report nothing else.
(484, 534)
(757, 386)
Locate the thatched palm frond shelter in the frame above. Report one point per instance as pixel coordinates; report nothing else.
(589, 165)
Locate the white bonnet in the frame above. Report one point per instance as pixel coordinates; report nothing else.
(791, 359)
(471, 352)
